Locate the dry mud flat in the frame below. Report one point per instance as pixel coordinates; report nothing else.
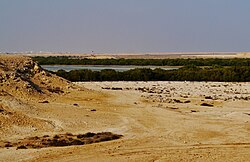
(159, 121)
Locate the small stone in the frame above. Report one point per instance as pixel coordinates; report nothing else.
(206, 104)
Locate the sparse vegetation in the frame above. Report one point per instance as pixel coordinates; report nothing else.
(66, 139)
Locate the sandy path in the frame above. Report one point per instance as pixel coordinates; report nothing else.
(152, 131)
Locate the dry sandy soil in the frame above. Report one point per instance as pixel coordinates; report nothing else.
(159, 121)
(150, 55)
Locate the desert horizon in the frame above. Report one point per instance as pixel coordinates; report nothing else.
(143, 55)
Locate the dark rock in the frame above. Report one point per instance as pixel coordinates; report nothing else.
(114, 88)
(56, 136)
(21, 147)
(68, 134)
(55, 90)
(8, 145)
(208, 97)
(105, 87)
(206, 104)
(173, 108)
(44, 102)
(177, 101)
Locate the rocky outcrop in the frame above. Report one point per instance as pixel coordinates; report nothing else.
(23, 81)
(23, 78)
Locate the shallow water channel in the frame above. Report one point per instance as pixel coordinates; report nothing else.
(99, 68)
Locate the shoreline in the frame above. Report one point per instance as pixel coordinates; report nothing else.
(102, 67)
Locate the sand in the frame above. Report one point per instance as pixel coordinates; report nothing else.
(154, 129)
(146, 55)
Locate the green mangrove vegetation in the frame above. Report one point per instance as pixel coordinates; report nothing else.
(65, 60)
(198, 69)
(186, 73)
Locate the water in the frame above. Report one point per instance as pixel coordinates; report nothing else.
(99, 68)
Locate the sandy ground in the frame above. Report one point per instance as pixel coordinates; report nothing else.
(147, 55)
(160, 121)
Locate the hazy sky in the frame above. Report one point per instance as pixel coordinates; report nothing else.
(124, 25)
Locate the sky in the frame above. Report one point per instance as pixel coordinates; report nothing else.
(125, 26)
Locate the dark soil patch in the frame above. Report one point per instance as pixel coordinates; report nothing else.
(66, 139)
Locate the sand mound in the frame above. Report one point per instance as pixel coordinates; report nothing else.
(23, 81)
(243, 55)
(23, 78)
(18, 122)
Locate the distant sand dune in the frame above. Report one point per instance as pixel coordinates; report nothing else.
(149, 55)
